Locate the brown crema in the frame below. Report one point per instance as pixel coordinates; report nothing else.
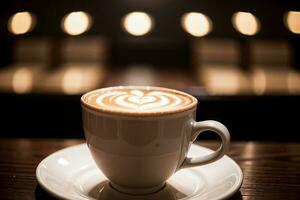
(138, 100)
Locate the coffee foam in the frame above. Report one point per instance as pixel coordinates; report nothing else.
(139, 100)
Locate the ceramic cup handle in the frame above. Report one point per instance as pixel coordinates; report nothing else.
(209, 125)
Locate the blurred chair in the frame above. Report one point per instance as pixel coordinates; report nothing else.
(82, 61)
(87, 50)
(32, 51)
(30, 57)
(271, 67)
(216, 62)
(270, 53)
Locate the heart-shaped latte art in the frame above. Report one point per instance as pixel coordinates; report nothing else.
(139, 100)
(142, 100)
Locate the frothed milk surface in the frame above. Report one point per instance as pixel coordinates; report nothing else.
(139, 100)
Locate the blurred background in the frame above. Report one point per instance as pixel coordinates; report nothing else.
(241, 59)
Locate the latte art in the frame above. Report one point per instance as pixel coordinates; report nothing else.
(138, 99)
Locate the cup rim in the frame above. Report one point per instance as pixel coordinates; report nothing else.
(139, 114)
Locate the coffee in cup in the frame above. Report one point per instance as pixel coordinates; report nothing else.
(140, 135)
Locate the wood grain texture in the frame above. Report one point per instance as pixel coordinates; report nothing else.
(271, 170)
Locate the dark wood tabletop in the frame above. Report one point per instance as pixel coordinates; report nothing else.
(271, 170)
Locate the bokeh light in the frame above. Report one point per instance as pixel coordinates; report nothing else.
(21, 23)
(72, 81)
(196, 24)
(294, 82)
(292, 21)
(76, 23)
(22, 81)
(259, 81)
(80, 78)
(137, 23)
(246, 23)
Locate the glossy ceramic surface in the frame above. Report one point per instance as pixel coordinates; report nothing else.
(71, 173)
(138, 153)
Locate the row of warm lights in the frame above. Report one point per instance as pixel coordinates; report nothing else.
(76, 80)
(71, 80)
(141, 23)
(259, 81)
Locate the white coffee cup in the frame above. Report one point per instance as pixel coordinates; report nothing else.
(138, 152)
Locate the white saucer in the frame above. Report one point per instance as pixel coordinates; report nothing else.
(72, 174)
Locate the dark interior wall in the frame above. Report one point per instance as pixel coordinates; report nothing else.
(167, 44)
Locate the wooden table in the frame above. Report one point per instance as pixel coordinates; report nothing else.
(271, 170)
